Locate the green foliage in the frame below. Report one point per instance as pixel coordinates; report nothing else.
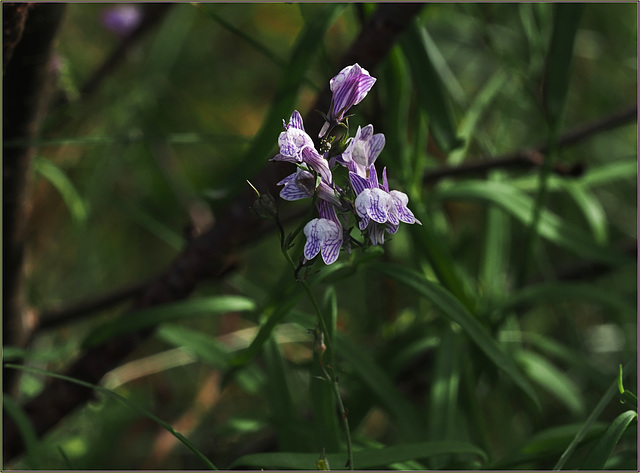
(489, 337)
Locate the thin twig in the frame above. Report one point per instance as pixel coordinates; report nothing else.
(52, 319)
(534, 155)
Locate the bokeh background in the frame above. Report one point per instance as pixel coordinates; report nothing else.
(125, 170)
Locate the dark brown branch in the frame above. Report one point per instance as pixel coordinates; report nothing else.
(25, 88)
(52, 319)
(209, 255)
(534, 156)
(14, 16)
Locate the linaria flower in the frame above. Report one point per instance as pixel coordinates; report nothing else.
(296, 146)
(349, 87)
(302, 184)
(122, 19)
(362, 151)
(324, 235)
(378, 208)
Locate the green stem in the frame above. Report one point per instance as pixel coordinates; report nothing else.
(330, 378)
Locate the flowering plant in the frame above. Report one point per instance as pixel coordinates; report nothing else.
(376, 209)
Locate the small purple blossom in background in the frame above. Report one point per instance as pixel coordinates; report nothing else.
(376, 209)
(122, 19)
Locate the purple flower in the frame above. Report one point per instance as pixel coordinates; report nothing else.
(349, 87)
(362, 151)
(302, 184)
(296, 146)
(378, 208)
(324, 235)
(122, 19)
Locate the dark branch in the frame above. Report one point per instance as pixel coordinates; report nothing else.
(25, 88)
(534, 156)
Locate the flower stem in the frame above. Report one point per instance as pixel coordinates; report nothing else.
(330, 378)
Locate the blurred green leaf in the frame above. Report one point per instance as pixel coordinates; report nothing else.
(181, 438)
(379, 383)
(520, 206)
(363, 459)
(31, 443)
(454, 311)
(557, 73)
(78, 208)
(550, 292)
(211, 351)
(546, 444)
(554, 381)
(591, 209)
(595, 413)
(602, 450)
(151, 317)
(428, 82)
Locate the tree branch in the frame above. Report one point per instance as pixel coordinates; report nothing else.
(209, 255)
(25, 88)
(534, 156)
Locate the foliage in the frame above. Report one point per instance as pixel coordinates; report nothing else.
(488, 337)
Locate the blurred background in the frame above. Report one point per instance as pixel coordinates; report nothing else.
(144, 141)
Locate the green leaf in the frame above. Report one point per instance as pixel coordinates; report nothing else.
(550, 292)
(181, 438)
(382, 387)
(552, 380)
(556, 82)
(591, 209)
(75, 204)
(602, 450)
(28, 433)
(547, 444)
(455, 312)
(431, 93)
(475, 112)
(604, 401)
(153, 316)
(364, 459)
(520, 206)
(211, 351)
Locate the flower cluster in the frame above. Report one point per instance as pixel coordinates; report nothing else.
(377, 209)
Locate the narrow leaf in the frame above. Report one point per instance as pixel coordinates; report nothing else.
(520, 206)
(125, 401)
(454, 311)
(431, 92)
(601, 452)
(365, 459)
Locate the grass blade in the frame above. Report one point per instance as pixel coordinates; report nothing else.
(365, 459)
(454, 311)
(58, 179)
(125, 401)
(602, 450)
(520, 206)
(431, 92)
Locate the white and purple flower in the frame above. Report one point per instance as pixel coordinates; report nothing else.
(378, 208)
(324, 235)
(349, 87)
(362, 150)
(296, 146)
